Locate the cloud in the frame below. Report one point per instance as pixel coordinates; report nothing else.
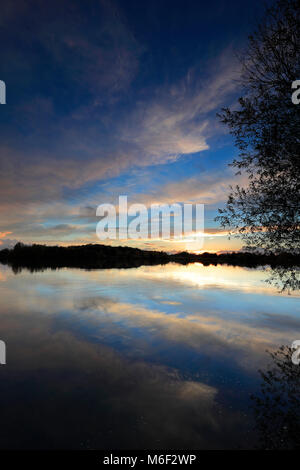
(176, 121)
(6, 242)
(4, 234)
(39, 220)
(171, 122)
(95, 125)
(106, 60)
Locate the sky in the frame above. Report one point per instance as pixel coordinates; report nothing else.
(107, 98)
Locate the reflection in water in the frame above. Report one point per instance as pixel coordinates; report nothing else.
(153, 357)
(277, 407)
(285, 278)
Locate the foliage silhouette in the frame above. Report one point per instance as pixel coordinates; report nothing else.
(266, 212)
(277, 406)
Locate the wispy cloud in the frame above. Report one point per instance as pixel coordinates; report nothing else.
(177, 120)
(88, 123)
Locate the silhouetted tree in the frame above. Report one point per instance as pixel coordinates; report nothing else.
(277, 406)
(265, 213)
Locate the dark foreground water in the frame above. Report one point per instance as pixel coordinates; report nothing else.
(162, 357)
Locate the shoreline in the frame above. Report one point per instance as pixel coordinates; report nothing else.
(97, 256)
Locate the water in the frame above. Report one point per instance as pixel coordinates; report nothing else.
(162, 357)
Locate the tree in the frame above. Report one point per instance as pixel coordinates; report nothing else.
(266, 129)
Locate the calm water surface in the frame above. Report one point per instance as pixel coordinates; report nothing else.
(154, 357)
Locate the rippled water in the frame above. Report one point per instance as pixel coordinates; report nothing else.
(154, 357)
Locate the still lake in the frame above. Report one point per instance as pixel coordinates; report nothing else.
(159, 357)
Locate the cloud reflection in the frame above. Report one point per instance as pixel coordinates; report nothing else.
(134, 358)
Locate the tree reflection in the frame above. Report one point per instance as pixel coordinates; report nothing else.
(277, 406)
(286, 279)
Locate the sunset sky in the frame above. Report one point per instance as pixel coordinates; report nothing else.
(109, 98)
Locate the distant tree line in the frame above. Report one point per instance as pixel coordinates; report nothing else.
(96, 256)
